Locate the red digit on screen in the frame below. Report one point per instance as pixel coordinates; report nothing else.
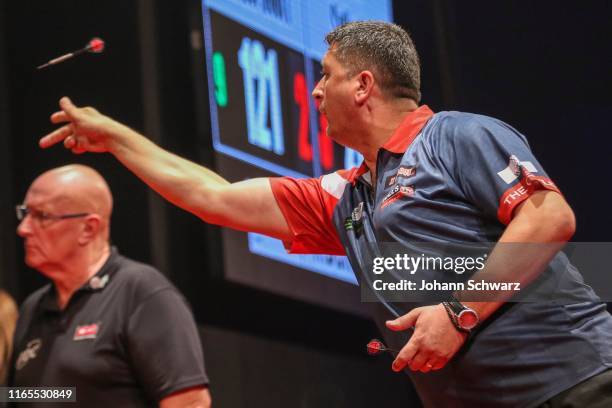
(326, 145)
(300, 95)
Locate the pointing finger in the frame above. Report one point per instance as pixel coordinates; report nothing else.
(55, 137)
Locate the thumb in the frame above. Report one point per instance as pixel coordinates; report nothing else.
(404, 322)
(67, 106)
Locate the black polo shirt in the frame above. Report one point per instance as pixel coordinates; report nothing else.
(126, 338)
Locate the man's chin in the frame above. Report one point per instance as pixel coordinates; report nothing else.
(335, 137)
(331, 134)
(33, 261)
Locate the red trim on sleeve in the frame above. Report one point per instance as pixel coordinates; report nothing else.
(308, 210)
(520, 192)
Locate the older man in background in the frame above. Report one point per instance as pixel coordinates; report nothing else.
(116, 330)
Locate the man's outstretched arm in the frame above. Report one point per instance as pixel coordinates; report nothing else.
(247, 205)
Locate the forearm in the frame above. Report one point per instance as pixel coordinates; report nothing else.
(190, 398)
(515, 263)
(180, 181)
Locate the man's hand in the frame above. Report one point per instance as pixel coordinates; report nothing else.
(87, 130)
(434, 342)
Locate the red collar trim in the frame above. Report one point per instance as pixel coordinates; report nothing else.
(401, 139)
(408, 130)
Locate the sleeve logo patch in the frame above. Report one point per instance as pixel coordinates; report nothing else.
(513, 171)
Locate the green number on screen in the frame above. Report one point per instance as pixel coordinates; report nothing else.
(220, 79)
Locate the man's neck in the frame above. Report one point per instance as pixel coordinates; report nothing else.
(382, 126)
(77, 273)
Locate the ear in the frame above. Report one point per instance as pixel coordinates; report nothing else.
(91, 229)
(365, 86)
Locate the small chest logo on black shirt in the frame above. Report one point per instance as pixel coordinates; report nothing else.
(30, 353)
(88, 331)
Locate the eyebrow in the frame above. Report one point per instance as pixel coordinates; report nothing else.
(38, 209)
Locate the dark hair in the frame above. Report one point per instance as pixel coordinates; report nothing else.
(381, 47)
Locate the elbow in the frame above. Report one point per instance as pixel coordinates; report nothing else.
(202, 201)
(565, 223)
(544, 217)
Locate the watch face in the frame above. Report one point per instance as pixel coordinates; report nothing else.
(467, 319)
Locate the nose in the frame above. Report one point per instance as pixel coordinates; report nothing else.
(24, 228)
(317, 92)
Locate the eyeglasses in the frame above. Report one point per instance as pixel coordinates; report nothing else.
(22, 210)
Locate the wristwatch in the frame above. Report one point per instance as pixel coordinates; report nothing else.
(464, 318)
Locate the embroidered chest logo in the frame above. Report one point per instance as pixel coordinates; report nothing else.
(30, 353)
(396, 193)
(403, 172)
(355, 221)
(88, 331)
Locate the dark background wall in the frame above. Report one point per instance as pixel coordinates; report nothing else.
(544, 67)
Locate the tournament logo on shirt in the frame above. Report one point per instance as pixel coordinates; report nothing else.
(402, 173)
(30, 353)
(88, 331)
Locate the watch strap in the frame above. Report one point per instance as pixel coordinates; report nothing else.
(452, 315)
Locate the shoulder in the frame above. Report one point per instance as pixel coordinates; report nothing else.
(452, 124)
(138, 280)
(457, 130)
(298, 190)
(27, 311)
(335, 183)
(30, 303)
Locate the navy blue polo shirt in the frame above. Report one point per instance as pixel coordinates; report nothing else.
(456, 177)
(126, 338)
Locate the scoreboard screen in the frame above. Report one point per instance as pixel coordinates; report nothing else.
(262, 62)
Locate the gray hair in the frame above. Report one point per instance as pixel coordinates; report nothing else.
(381, 47)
